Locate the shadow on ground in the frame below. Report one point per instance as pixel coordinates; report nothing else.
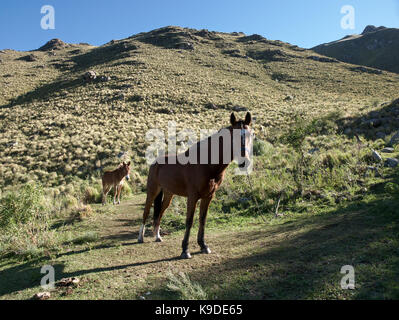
(376, 124)
(299, 259)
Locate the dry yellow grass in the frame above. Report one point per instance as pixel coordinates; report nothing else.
(54, 126)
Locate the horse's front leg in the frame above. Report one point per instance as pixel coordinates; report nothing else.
(191, 205)
(202, 219)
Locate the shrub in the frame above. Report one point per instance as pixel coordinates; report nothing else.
(261, 147)
(392, 188)
(23, 206)
(92, 195)
(69, 202)
(24, 220)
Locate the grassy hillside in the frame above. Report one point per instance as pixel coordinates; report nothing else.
(317, 200)
(375, 47)
(54, 126)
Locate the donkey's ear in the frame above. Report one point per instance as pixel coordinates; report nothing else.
(124, 163)
(248, 119)
(128, 163)
(233, 119)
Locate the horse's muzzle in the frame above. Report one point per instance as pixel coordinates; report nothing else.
(127, 177)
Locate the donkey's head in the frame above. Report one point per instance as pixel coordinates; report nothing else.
(126, 169)
(242, 137)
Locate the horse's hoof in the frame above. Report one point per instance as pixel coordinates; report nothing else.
(185, 255)
(139, 240)
(206, 250)
(158, 240)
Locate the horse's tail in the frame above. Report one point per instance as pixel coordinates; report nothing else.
(158, 205)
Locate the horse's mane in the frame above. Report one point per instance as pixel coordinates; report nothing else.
(208, 138)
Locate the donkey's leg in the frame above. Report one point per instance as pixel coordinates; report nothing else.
(115, 192)
(191, 205)
(120, 186)
(106, 189)
(202, 219)
(157, 220)
(151, 195)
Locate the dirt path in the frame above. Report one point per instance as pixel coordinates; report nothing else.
(292, 259)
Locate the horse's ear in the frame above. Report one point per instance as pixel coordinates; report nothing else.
(248, 119)
(124, 163)
(233, 119)
(128, 163)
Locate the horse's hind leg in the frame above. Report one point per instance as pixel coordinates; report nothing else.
(157, 218)
(191, 205)
(151, 194)
(202, 219)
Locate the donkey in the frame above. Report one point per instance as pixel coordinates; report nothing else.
(200, 180)
(115, 179)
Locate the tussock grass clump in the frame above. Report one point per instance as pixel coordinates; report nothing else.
(81, 212)
(261, 147)
(186, 289)
(24, 222)
(87, 237)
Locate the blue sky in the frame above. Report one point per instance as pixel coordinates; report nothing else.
(304, 23)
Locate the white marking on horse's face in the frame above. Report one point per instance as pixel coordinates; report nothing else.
(246, 142)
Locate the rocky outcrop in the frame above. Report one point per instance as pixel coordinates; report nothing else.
(54, 44)
(376, 47)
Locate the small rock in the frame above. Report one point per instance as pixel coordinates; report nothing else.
(105, 78)
(392, 162)
(288, 98)
(376, 156)
(42, 296)
(89, 76)
(388, 150)
(185, 46)
(65, 282)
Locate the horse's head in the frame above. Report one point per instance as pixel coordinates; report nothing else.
(126, 169)
(243, 132)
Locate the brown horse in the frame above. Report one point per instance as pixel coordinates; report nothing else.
(115, 179)
(200, 180)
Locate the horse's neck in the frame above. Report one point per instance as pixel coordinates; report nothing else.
(119, 173)
(205, 145)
